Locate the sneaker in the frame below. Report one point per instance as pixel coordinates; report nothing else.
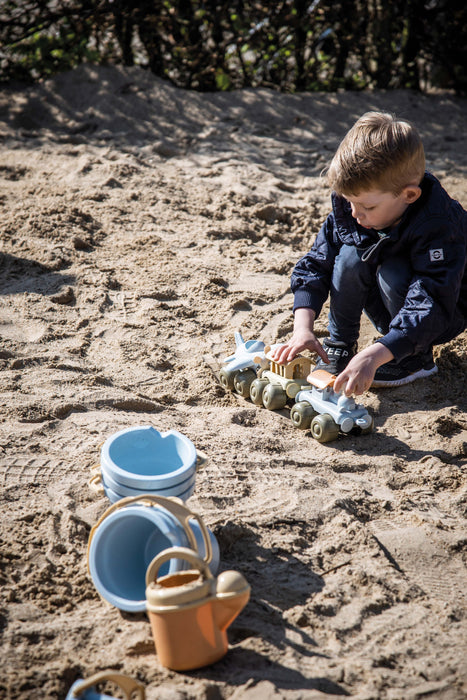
(339, 355)
(407, 370)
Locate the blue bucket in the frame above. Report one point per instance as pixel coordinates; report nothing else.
(115, 491)
(142, 458)
(131, 533)
(114, 496)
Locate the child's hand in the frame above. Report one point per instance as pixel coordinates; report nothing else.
(302, 339)
(358, 376)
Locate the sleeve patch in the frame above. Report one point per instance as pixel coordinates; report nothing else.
(436, 254)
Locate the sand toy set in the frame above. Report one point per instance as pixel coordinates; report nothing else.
(314, 405)
(150, 552)
(141, 555)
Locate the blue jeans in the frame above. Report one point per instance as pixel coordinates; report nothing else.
(379, 291)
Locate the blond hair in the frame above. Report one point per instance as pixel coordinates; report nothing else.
(379, 152)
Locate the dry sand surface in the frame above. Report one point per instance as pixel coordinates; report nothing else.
(141, 225)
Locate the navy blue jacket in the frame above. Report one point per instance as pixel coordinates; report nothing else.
(437, 297)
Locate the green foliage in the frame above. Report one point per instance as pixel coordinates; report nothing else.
(290, 45)
(40, 38)
(43, 54)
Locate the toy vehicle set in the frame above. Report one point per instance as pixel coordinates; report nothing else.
(252, 373)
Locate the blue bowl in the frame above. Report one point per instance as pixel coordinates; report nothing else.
(145, 459)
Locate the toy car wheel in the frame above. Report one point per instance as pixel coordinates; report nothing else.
(243, 381)
(301, 415)
(324, 428)
(369, 429)
(256, 391)
(226, 378)
(274, 397)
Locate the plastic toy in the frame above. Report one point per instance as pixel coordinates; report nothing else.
(276, 383)
(190, 610)
(326, 412)
(86, 689)
(317, 406)
(145, 459)
(131, 533)
(241, 368)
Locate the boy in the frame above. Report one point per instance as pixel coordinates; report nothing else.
(394, 247)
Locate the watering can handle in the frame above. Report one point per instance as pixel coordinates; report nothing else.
(125, 683)
(176, 553)
(173, 505)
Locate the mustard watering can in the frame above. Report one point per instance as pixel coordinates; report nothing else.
(190, 610)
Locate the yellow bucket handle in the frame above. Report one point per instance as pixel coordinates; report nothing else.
(125, 683)
(201, 458)
(95, 482)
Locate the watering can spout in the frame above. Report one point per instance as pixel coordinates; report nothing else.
(232, 594)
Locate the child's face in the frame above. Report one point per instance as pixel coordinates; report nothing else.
(381, 210)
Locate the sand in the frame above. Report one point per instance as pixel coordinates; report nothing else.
(141, 226)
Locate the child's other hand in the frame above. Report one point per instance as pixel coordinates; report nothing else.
(302, 339)
(358, 376)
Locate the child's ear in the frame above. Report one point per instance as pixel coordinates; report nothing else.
(411, 193)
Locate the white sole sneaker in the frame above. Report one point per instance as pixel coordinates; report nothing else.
(419, 374)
